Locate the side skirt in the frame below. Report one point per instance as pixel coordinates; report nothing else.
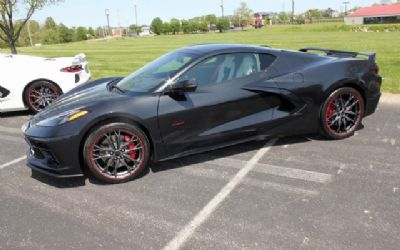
(224, 145)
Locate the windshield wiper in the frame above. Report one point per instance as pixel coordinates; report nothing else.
(113, 85)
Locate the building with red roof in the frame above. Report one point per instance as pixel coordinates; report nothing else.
(387, 13)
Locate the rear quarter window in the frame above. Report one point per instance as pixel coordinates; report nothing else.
(266, 61)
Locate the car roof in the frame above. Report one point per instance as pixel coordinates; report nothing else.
(213, 48)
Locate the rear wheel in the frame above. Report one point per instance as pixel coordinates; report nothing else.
(342, 113)
(116, 152)
(40, 94)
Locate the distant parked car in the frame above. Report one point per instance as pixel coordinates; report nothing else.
(28, 82)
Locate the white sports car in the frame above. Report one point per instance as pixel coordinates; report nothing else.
(28, 82)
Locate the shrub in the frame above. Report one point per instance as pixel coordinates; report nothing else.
(223, 25)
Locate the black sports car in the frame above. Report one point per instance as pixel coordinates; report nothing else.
(200, 98)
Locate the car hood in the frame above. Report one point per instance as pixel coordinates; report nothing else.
(85, 96)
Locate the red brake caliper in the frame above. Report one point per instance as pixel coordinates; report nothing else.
(131, 146)
(331, 110)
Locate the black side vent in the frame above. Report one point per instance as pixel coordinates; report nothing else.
(286, 105)
(4, 92)
(77, 78)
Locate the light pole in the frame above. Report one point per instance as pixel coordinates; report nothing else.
(345, 7)
(292, 11)
(136, 17)
(222, 8)
(107, 12)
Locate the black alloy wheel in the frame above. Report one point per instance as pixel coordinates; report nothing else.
(342, 113)
(117, 152)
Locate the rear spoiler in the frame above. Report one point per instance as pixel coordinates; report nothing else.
(78, 59)
(370, 55)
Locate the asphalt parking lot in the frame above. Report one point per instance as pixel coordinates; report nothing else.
(289, 193)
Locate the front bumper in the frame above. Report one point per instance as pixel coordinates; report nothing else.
(57, 157)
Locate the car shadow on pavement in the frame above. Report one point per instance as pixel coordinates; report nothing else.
(59, 182)
(177, 163)
(228, 152)
(16, 114)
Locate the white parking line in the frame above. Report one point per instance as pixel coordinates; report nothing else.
(251, 182)
(292, 173)
(13, 162)
(204, 214)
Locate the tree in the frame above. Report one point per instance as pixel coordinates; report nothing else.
(50, 31)
(165, 28)
(175, 25)
(91, 33)
(185, 26)
(134, 28)
(211, 20)
(81, 34)
(34, 31)
(99, 32)
(49, 36)
(204, 27)
(50, 24)
(243, 15)
(156, 26)
(283, 17)
(193, 26)
(328, 13)
(10, 29)
(314, 14)
(65, 35)
(223, 25)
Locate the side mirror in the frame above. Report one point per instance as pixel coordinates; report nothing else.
(184, 86)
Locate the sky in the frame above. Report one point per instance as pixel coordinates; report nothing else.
(122, 12)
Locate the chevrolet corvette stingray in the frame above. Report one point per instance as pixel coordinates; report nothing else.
(200, 98)
(29, 82)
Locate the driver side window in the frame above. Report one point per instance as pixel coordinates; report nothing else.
(173, 65)
(224, 67)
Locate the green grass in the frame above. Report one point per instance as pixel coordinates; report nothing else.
(122, 56)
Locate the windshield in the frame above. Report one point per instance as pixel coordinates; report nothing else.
(156, 72)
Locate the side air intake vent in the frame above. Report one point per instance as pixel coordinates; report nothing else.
(4, 92)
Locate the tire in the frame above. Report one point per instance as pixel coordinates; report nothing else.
(117, 152)
(342, 113)
(38, 95)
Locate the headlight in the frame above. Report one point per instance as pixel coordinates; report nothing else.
(62, 118)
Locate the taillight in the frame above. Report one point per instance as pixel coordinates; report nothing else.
(374, 70)
(72, 69)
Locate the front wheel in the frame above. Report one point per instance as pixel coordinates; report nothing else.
(342, 113)
(116, 152)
